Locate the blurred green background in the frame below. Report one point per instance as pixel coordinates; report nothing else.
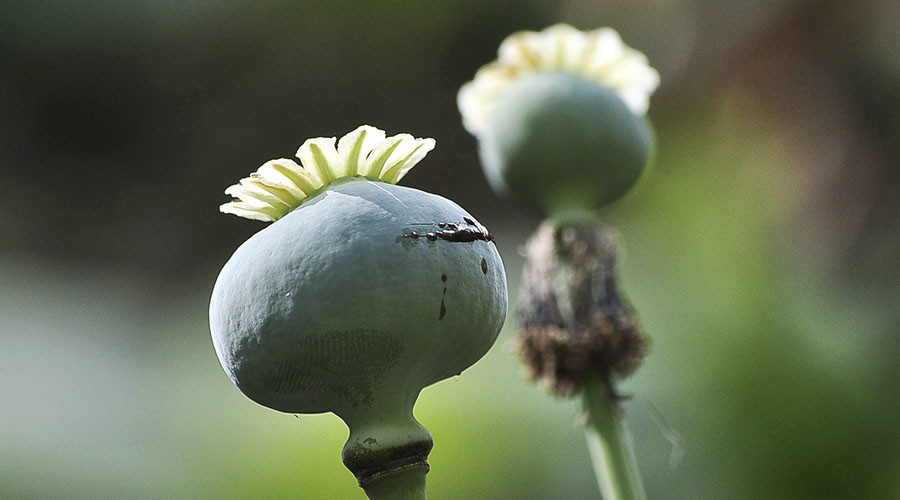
(762, 250)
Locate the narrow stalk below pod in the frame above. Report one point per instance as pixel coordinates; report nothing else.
(559, 118)
(360, 294)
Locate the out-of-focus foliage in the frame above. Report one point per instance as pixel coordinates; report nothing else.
(760, 251)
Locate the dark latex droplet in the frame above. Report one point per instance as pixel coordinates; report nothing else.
(484, 266)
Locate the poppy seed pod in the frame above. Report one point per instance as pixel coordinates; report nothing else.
(560, 143)
(560, 118)
(356, 298)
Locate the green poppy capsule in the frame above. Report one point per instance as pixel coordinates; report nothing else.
(360, 294)
(560, 118)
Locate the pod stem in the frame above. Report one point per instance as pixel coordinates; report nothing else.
(609, 443)
(406, 484)
(580, 335)
(388, 451)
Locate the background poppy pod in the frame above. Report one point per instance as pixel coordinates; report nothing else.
(557, 142)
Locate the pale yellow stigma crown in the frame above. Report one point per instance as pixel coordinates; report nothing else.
(281, 185)
(598, 55)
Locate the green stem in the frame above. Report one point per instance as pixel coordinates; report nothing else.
(388, 449)
(406, 484)
(609, 443)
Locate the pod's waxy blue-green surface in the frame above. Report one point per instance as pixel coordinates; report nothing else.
(360, 297)
(558, 142)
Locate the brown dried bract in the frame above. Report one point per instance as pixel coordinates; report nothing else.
(574, 322)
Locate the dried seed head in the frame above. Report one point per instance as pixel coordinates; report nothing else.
(574, 322)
